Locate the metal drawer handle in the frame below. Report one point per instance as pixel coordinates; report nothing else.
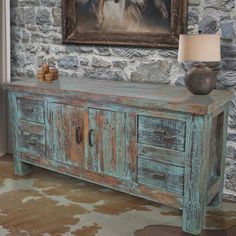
(79, 136)
(31, 143)
(161, 131)
(29, 110)
(160, 176)
(90, 138)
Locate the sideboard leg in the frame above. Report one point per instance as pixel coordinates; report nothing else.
(193, 219)
(217, 201)
(21, 168)
(196, 174)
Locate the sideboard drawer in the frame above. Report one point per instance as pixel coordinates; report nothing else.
(161, 175)
(32, 138)
(30, 110)
(161, 132)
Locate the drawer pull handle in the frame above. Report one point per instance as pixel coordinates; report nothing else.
(161, 131)
(79, 136)
(29, 110)
(160, 176)
(90, 138)
(31, 143)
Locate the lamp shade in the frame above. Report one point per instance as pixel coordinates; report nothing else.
(201, 47)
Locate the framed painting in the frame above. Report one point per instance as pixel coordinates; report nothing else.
(153, 23)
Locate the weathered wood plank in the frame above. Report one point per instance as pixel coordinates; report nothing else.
(67, 134)
(131, 146)
(108, 105)
(156, 174)
(108, 142)
(196, 175)
(222, 127)
(31, 110)
(161, 154)
(164, 133)
(216, 145)
(130, 94)
(32, 138)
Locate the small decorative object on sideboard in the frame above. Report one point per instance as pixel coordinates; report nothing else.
(47, 74)
(201, 79)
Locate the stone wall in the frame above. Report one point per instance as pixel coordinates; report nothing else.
(37, 37)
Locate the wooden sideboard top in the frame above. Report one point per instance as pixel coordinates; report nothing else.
(151, 96)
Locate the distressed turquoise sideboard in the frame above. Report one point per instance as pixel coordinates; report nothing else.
(157, 142)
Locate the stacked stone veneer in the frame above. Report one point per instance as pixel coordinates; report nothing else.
(37, 37)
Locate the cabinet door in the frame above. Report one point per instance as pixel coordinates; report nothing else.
(107, 142)
(66, 129)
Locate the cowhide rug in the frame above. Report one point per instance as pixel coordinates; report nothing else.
(46, 203)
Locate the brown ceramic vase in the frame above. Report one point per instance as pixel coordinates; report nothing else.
(200, 80)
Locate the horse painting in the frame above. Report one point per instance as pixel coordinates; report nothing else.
(152, 23)
(120, 14)
(132, 11)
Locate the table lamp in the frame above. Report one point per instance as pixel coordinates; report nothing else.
(201, 79)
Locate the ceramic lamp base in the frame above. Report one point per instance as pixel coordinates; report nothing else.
(200, 80)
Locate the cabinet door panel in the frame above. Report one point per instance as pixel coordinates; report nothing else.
(107, 144)
(66, 133)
